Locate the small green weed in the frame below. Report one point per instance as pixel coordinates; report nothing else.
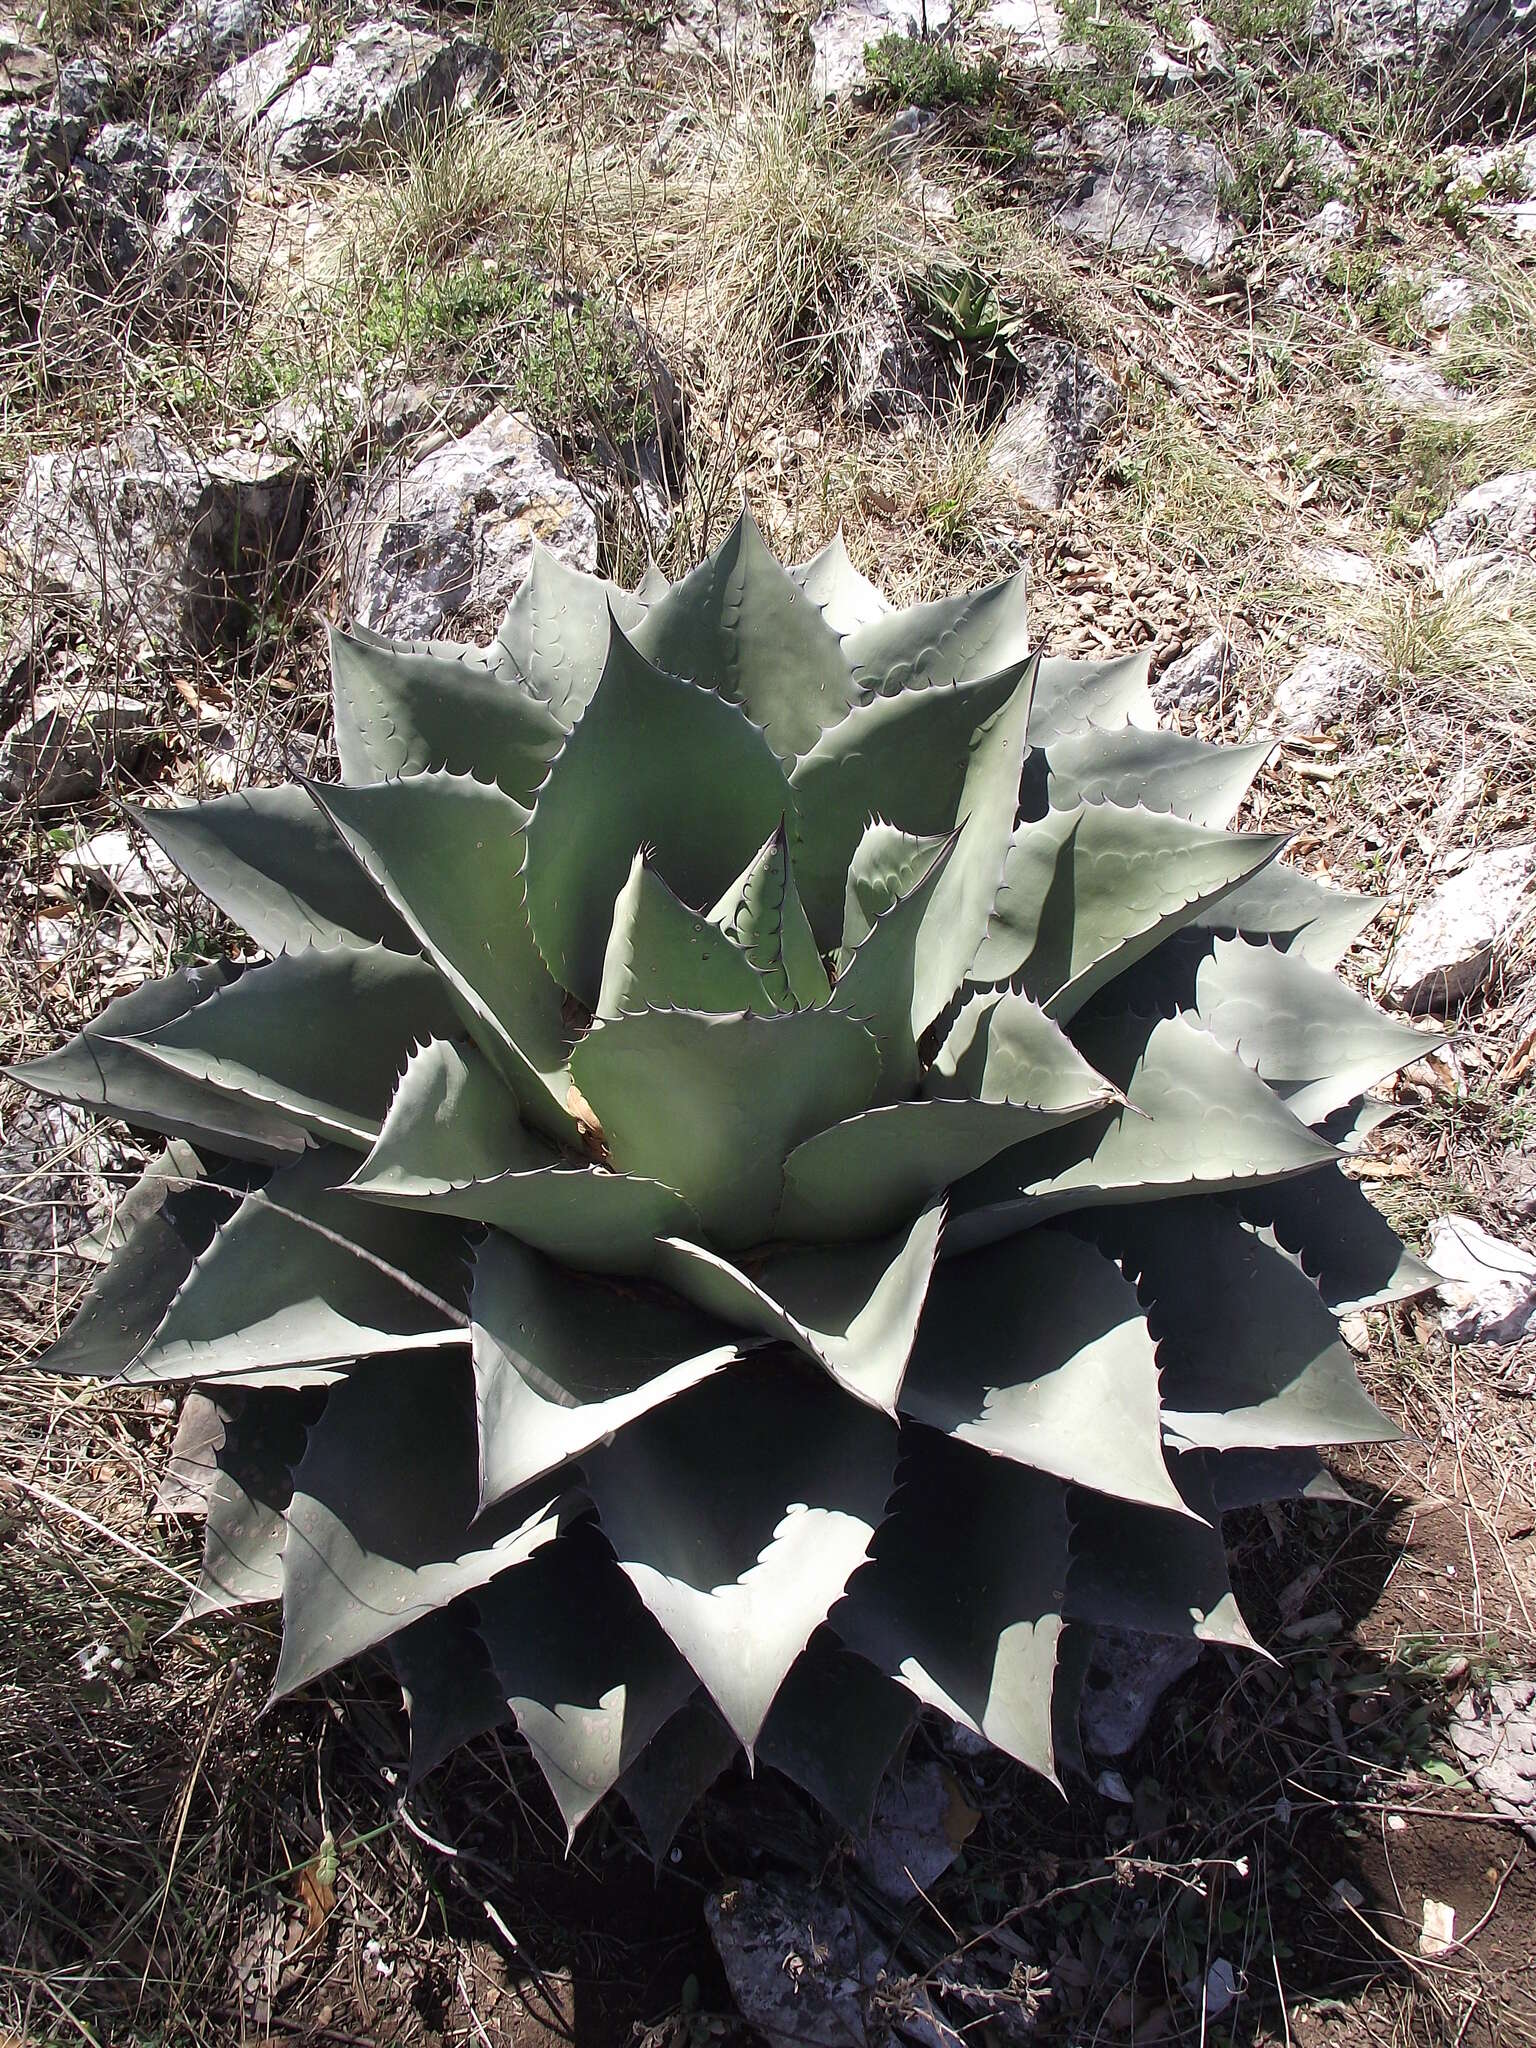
(910, 71)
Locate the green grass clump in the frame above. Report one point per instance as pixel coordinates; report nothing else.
(909, 71)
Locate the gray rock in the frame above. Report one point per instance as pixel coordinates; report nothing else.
(1196, 679)
(380, 81)
(64, 750)
(122, 863)
(210, 32)
(449, 540)
(35, 148)
(85, 86)
(919, 1827)
(1326, 687)
(26, 72)
(1498, 517)
(1409, 385)
(734, 33)
(197, 218)
(842, 33)
(1344, 568)
(1497, 1743)
(193, 1466)
(1324, 155)
(1047, 436)
(159, 542)
(54, 1161)
(896, 373)
(1446, 945)
(1488, 1287)
(1447, 301)
(1151, 190)
(1436, 33)
(800, 1968)
(1127, 1678)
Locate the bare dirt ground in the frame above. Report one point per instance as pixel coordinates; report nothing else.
(178, 1865)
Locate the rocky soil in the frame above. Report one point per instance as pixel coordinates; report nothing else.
(1225, 329)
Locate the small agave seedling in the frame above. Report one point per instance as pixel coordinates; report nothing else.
(782, 1163)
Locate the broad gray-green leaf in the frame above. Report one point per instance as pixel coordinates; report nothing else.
(131, 1294)
(712, 1106)
(1004, 1048)
(272, 863)
(1250, 1357)
(853, 1308)
(398, 714)
(739, 1510)
(845, 599)
(904, 759)
(1194, 1118)
(452, 1143)
(101, 1069)
(1139, 1568)
(739, 624)
(675, 1769)
(1087, 892)
(881, 986)
(869, 1173)
(555, 635)
(285, 1036)
(1072, 696)
(953, 640)
(1344, 1245)
(956, 922)
(661, 953)
(383, 1527)
(1315, 1042)
(451, 1692)
(1246, 1479)
(963, 1602)
(587, 1673)
(448, 852)
(1038, 1350)
(887, 864)
(563, 1360)
(834, 1727)
(654, 760)
(763, 913)
(1162, 770)
(264, 1433)
(1306, 917)
(303, 1276)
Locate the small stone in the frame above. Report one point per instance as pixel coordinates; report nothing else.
(193, 1466)
(1437, 1935)
(1128, 1676)
(1324, 155)
(921, 1822)
(449, 540)
(1151, 189)
(896, 373)
(26, 72)
(1341, 567)
(732, 33)
(1495, 1737)
(1488, 1290)
(84, 89)
(1110, 1785)
(210, 32)
(800, 1967)
(65, 751)
(1411, 386)
(1047, 436)
(1335, 221)
(1326, 687)
(1497, 517)
(1447, 301)
(123, 864)
(1446, 945)
(1196, 679)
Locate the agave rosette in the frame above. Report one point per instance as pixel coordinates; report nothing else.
(783, 1163)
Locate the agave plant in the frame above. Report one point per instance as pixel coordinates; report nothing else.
(782, 1164)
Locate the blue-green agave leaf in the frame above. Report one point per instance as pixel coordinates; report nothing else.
(1163, 771)
(881, 984)
(753, 1088)
(853, 1308)
(264, 1433)
(1303, 916)
(662, 954)
(741, 625)
(1073, 696)
(740, 1510)
(845, 599)
(953, 640)
(555, 635)
(834, 1726)
(654, 761)
(763, 913)
(563, 1360)
(887, 864)
(1344, 1245)
(285, 1036)
(272, 863)
(1037, 1350)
